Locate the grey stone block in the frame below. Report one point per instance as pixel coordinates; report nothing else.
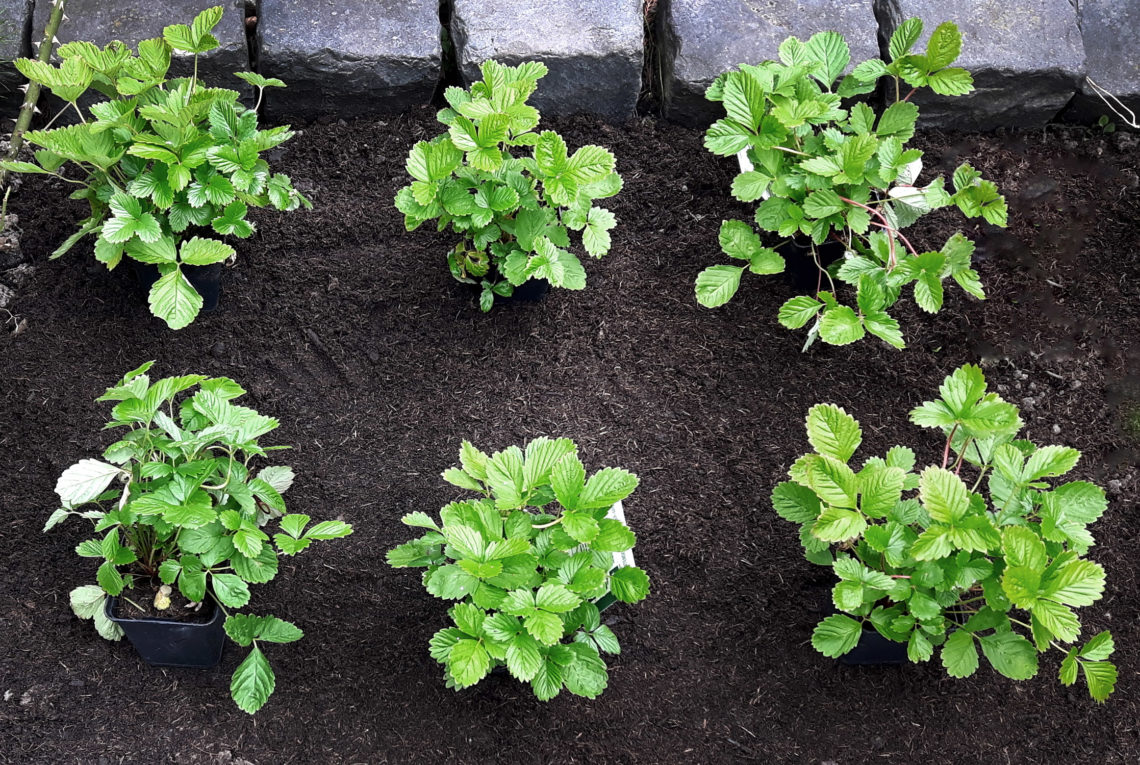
(699, 39)
(15, 21)
(131, 21)
(349, 57)
(1110, 29)
(1026, 57)
(593, 48)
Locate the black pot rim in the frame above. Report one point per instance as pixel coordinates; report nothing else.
(109, 606)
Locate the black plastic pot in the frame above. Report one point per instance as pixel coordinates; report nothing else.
(207, 280)
(873, 648)
(801, 271)
(530, 291)
(165, 643)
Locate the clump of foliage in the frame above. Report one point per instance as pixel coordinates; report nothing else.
(827, 173)
(514, 213)
(529, 565)
(1001, 569)
(176, 502)
(159, 158)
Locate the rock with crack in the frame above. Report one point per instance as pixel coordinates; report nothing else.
(1026, 56)
(349, 58)
(1109, 29)
(593, 48)
(699, 39)
(131, 21)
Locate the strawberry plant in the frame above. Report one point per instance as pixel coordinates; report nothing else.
(164, 164)
(955, 566)
(529, 564)
(824, 173)
(176, 503)
(515, 214)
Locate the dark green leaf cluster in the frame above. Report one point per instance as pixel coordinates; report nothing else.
(186, 509)
(515, 213)
(159, 158)
(998, 570)
(531, 564)
(822, 172)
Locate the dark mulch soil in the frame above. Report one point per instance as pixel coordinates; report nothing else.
(352, 332)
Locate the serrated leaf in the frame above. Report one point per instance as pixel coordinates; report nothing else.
(951, 82)
(717, 284)
(750, 185)
(1080, 583)
(833, 432)
(329, 530)
(606, 487)
(253, 682)
(1099, 647)
(546, 627)
(1010, 654)
(795, 503)
(84, 482)
(798, 311)
(556, 598)
(230, 590)
(943, 494)
(959, 654)
(1101, 678)
(904, 37)
(547, 682)
(836, 635)
(596, 236)
(109, 578)
(932, 544)
(629, 584)
(840, 325)
(898, 121)
(524, 660)
(174, 300)
(837, 524)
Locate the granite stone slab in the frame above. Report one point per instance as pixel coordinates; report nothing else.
(350, 57)
(101, 21)
(593, 48)
(699, 39)
(15, 23)
(1110, 30)
(1026, 56)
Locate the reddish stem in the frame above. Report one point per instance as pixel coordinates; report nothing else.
(946, 451)
(891, 262)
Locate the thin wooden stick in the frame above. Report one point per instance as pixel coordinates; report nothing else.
(28, 109)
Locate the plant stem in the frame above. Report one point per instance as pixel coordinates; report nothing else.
(28, 109)
(891, 230)
(791, 151)
(962, 456)
(981, 475)
(946, 451)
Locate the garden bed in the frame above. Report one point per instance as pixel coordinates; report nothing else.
(353, 333)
